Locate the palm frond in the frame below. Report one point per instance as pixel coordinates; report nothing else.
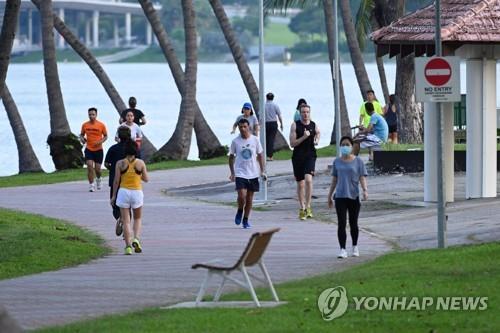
(283, 5)
(363, 26)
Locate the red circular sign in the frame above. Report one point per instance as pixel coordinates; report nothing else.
(437, 72)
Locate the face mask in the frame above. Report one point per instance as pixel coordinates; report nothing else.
(345, 150)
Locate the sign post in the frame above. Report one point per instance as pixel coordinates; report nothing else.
(437, 79)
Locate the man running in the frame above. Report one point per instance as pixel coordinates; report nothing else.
(139, 117)
(115, 153)
(246, 163)
(93, 133)
(304, 136)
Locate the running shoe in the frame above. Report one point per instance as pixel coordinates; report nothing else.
(302, 214)
(119, 227)
(137, 246)
(246, 224)
(355, 251)
(309, 213)
(238, 217)
(128, 250)
(91, 187)
(342, 254)
(98, 181)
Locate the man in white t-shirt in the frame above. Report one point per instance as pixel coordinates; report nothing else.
(246, 163)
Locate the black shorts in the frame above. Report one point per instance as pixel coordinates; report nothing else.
(303, 166)
(95, 156)
(393, 128)
(251, 185)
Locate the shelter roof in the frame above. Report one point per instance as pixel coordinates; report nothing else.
(462, 22)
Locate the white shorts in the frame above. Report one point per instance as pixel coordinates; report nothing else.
(370, 141)
(129, 198)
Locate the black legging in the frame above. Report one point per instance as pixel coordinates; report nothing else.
(116, 209)
(271, 130)
(342, 206)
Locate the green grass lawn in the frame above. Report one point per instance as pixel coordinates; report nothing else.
(458, 271)
(280, 34)
(32, 244)
(81, 174)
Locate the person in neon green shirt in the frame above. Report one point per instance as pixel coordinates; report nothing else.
(364, 117)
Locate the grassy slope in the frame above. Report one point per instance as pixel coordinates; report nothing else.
(32, 244)
(458, 271)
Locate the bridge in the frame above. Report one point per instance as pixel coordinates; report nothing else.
(84, 18)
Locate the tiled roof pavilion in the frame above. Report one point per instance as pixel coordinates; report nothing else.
(462, 22)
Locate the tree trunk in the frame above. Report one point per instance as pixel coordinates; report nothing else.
(178, 145)
(28, 162)
(352, 41)
(9, 24)
(344, 116)
(147, 147)
(410, 122)
(377, 21)
(240, 60)
(61, 141)
(208, 144)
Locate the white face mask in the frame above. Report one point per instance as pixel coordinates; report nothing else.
(345, 150)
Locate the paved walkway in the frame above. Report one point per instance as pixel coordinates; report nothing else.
(177, 233)
(185, 222)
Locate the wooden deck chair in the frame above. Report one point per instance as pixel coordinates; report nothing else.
(252, 255)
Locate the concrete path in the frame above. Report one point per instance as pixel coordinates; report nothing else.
(177, 232)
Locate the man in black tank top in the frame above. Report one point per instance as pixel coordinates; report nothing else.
(304, 136)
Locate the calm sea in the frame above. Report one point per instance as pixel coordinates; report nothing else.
(220, 94)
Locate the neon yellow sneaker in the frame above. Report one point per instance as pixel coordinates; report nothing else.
(128, 250)
(137, 246)
(309, 213)
(302, 214)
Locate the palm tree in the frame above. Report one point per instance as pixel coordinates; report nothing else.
(352, 41)
(329, 23)
(369, 18)
(65, 147)
(178, 146)
(208, 144)
(28, 162)
(411, 117)
(240, 60)
(147, 147)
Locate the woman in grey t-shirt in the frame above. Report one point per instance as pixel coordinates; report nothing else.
(253, 122)
(348, 172)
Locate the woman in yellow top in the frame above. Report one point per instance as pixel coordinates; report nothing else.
(128, 175)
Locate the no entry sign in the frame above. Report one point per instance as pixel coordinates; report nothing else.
(437, 79)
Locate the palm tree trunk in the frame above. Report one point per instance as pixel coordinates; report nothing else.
(28, 162)
(9, 24)
(208, 144)
(65, 151)
(410, 122)
(344, 116)
(178, 145)
(375, 25)
(352, 41)
(147, 147)
(240, 60)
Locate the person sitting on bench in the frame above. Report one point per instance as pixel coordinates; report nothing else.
(372, 136)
